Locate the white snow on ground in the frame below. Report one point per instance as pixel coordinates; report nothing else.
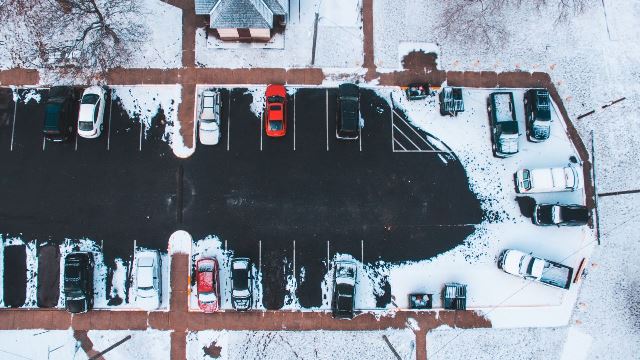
(491, 344)
(118, 281)
(164, 48)
(272, 345)
(576, 346)
(258, 101)
(144, 102)
(148, 344)
(339, 40)
(213, 247)
(40, 344)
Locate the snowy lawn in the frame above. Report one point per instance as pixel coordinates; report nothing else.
(148, 344)
(271, 345)
(40, 344)
(339, 40)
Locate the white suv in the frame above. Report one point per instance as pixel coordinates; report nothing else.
(209, 117)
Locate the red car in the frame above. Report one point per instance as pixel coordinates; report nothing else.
(208, 285)
(276, 118)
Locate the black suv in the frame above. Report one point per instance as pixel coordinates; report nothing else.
(59, 118)
(537, 113)
(78, 282)
(560, 215)
(348, 121)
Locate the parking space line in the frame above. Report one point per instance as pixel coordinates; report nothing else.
(391, 118)
(13, 126)
(228, 118)
(259, 255)
(396, 142)
(43, 143)
(294, 259)
(225, 245)
(141, 128)
(109, 124)
(412, 129)
(76, 146)
(326, 112)
(261, 125)
(327, 254)
(294, 121)
(405, 135)
(360, 136)
(362, 251)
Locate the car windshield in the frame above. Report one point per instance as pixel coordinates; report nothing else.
(85, 125)
(525, 179)
(90, 99)
(207, 297)
(275, 99)
(275, 125)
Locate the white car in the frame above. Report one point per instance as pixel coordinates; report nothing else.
(568, 178)
(91, 116)
(209, 118)
(148, 279)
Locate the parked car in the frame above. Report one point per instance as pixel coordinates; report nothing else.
(91, 115)
(208, 284)
(209, 118)
(504, 125)
(568, 178)
(537, 113)
(348, 120)
(276, 116)
(524, 265)
(417, 91)
(148, 279)
(58, 119)
(344, 289)
(241, 284)
(78, 282)
(560, 215)
(451, 101)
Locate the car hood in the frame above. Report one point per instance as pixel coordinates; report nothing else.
(511, 261)
(209, 135)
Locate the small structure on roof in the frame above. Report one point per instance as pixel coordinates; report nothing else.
(455, 296)
(244, 20)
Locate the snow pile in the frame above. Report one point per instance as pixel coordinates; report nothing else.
(31, 94)
(213, 247)
(180, 243)
(144, 103)
(40, 344)
(118, 281)
(258, 101)
(273, 345)
(339, 40)
(148, 344)
(445, 343)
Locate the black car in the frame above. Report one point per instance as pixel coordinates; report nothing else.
(348, 120)
(60, 114)
(78, 282)
(560, 215)
(504, 125)
(537, 112)
(344, 289)
(241, 284)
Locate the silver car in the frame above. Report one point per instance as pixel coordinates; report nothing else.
(209, 117)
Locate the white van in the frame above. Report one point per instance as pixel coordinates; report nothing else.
(568, 178)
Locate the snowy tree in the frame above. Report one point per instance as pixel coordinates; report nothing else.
(79, 36)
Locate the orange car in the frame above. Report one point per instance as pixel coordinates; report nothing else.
(276, 117)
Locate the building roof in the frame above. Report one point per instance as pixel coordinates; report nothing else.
(252, 14)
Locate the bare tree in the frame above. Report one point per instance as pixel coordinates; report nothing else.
(86, 37)
(480, 22)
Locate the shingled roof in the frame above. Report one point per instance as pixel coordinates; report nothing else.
(247, 14)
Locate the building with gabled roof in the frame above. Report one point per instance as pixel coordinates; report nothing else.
(235, 20)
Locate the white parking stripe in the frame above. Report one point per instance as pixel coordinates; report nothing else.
(76, 147)
(412, 129)
(391, 118)
(259, 255)
(405, 135)
(141, 128)
(13, 126)
(261, 125)
(396, 142)
(294, 259)
(328, 266)
(109, 124)
(228, 119)
(294, 121)
(326, 112)
(362, 251)
(360, 136)
(43, 142)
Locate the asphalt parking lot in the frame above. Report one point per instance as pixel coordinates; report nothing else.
(290, 203)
